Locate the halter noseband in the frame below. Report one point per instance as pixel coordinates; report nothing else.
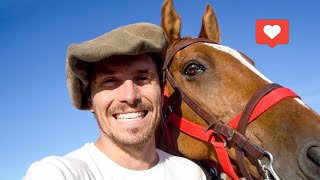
(234, 132)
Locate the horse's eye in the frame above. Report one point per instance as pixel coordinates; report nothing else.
(193, 69)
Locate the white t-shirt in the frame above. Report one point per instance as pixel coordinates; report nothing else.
(89, 163)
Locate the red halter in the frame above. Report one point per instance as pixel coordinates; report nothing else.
(234, 131)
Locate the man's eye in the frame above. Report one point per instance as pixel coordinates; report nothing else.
(143, 79)
(110, 81)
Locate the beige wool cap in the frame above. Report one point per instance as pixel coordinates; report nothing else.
(133, 39)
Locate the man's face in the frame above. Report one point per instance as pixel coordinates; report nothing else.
(126, 99)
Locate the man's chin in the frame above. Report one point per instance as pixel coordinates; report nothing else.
(135, 140)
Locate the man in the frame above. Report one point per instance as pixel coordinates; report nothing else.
(117, 77)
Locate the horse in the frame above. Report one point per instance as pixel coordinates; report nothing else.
(221, 110)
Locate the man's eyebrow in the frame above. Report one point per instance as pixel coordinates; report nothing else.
(112, 71)
(106, 72)
(144, 71)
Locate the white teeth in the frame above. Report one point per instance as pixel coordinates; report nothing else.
(129, 116)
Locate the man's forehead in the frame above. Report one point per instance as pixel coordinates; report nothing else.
(114, 64)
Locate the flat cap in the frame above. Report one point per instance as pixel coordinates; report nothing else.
(133, 39)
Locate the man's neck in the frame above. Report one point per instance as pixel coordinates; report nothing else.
(142, 158)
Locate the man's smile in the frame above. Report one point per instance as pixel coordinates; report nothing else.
(130, 116)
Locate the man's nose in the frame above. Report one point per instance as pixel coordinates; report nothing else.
(129, 92)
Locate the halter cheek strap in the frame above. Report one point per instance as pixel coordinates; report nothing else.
(172, 51)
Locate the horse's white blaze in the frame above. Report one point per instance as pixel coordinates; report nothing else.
(301, 102)
(239, 57)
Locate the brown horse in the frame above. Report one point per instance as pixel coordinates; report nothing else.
(209, 84)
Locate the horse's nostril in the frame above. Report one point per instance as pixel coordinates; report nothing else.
(313, 154)
(309, 161)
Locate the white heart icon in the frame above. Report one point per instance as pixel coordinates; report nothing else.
(272, 31)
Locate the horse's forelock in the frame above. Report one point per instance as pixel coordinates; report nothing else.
(178, 41)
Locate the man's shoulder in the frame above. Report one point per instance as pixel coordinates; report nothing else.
(52, 167)
(164, 156)
(79, 153)
(181, 166)
(60, 167)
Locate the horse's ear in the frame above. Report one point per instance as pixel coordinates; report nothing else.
(210, 28)
(170, 21)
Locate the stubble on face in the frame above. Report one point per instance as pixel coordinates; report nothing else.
(133, 138)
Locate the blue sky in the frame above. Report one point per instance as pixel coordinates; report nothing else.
(37, 118)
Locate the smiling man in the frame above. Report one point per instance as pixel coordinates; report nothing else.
(126, 100)
(117, 77)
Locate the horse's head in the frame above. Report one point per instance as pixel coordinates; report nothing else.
(222, 81)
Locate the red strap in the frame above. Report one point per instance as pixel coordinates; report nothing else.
(265, 103)
(224, 160)
(166, 99)
(190, 128)
(198, 131)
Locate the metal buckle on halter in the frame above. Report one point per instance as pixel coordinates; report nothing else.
(268, 168)
(230, 135)
(217, 126)
(216, 129)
